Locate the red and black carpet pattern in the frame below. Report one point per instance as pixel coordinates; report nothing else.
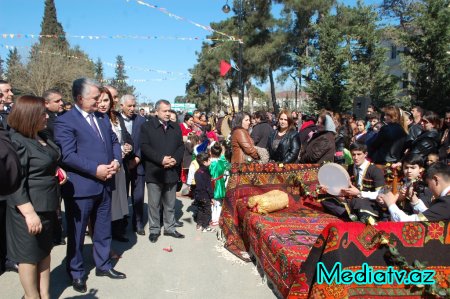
(352, 244)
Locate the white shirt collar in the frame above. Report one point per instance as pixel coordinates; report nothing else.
(84, 113)
(363, 166)
(445, 191)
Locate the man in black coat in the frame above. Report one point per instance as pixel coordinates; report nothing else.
(6, 101)
(162, 151)
(10, 174)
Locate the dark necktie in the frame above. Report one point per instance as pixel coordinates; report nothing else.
(94, 126)
(357, 177)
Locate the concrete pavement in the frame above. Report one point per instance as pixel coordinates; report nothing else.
(198, 267)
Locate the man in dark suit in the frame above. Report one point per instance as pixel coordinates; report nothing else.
(134, 170)
(6, 100)
(54, 106)
(162, 150)
(10, 174)
(91, 156)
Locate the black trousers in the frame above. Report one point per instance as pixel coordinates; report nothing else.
(204, 212)
(2, 235)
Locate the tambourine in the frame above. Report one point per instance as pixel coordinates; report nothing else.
(334, 177)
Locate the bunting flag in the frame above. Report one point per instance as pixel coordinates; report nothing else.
(224, 67)
(116, 36)
(178, 18)
(110, 64)
(234, 65)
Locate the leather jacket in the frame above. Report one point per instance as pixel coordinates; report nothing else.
(241, 145)
(426, 143)
(288, 148)
(388, 145)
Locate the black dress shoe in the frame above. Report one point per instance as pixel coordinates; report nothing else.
(119, 238)
(178, 224)
(154, 237)
(79, 285)
(59, 242)
(11, 266)
(174, 234)
(111, 273)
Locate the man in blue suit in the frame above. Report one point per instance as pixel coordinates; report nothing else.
(91, 155)
(134, 170)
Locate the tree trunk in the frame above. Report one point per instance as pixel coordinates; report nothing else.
(231, 98)
(272, 92)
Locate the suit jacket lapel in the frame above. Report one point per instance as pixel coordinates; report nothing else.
(84, 123)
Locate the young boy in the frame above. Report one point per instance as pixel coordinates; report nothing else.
(413, 168)
(203, 192)
(360, 198)
(437, 178)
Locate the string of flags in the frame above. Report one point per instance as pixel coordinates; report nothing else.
(117, 36)
(109, 64)
(178, 18)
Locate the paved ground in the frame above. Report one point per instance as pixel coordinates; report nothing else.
(198, 267)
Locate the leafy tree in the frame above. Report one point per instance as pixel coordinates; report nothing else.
(99, 70)
(47, 69)
(327, 79)
(2, 71)
(426, 38)
(51, 26)
(120, 81)
(15, 68)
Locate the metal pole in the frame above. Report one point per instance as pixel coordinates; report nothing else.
(240, 58)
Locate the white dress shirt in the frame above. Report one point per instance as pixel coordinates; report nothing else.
(362, 172)
(86, 117)
(398, 215)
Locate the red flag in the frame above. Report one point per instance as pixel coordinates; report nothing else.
(224, 67)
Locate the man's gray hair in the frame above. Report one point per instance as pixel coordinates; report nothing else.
(126, 97)
(165, 102)
(82, 86)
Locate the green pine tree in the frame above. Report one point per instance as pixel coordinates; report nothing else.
(99, 71)
(427, 39)
(2, 71)
(120, 81)
(14, 65)
(51, 26)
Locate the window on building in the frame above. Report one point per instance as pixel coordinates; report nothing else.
(393, 52)
(405, 81)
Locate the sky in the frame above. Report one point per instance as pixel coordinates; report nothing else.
(157, 67)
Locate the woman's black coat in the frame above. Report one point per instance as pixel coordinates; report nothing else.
(288, 148)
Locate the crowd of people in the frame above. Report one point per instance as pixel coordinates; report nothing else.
(99, 152)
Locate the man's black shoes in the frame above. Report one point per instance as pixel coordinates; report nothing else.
(120, 238)
(178, 224)
(79, 285)
(174, 234)
(111, 273)
(153, 237)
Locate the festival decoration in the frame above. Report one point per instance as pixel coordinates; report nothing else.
(116, 36)
(178, 18)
